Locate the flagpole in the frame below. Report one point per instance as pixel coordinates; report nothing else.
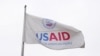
(22, 51)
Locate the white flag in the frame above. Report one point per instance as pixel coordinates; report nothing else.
(51, 34)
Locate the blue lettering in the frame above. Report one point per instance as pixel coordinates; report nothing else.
(39, 37)
(45, 36)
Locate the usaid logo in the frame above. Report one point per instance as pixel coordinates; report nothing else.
(54, 39)
(49, 24)
(53, 36)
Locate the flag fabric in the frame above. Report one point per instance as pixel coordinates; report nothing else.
(51, 34)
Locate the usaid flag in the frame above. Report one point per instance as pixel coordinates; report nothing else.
(51, 34)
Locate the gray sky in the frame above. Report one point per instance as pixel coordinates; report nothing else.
(81, 14)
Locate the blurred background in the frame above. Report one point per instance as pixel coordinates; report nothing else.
(81, 14)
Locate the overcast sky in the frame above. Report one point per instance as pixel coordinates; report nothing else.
(81, 14)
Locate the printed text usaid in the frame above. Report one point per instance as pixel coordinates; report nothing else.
(53, 36)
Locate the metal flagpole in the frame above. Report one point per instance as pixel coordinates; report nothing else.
(22, 53)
